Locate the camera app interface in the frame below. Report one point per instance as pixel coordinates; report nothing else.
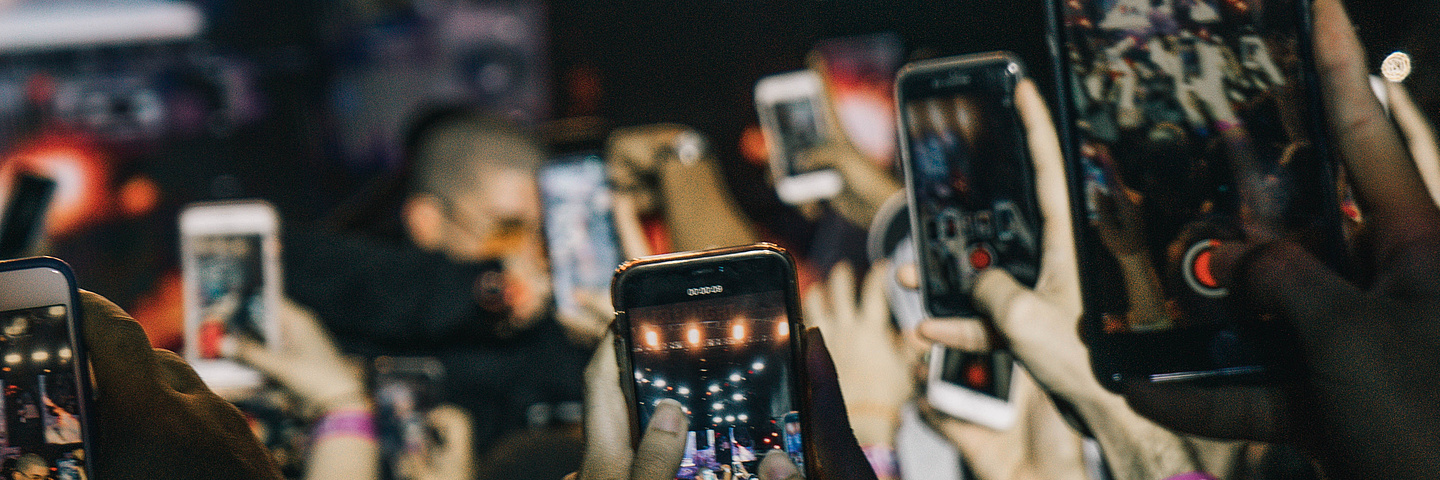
(727, 361)
(798, 124)
(231, 283)
(1194, 128)
(971, 174)
(578, 227)
(40, 426)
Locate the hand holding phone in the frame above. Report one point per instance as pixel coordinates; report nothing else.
(794, 118)
(1369, 344)
(582, 243)
(1039, 326)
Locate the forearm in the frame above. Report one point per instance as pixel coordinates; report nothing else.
(699, 209)
(1138, 449)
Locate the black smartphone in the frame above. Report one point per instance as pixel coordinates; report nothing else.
(25, 214)
(405, 389)
(1187, 124)
(968, 174)
(45, 416)
(720, 332)
(580, 236)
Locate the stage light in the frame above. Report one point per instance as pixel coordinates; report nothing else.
(737, 397)
(743, 417)
(757, 366)
(737, 332)
(683, 391)
(714, 388)
(40, 355)
(652, 338)
(12, 358)
(782, 329)
(717, 406)
(660, 383)
(639, 376)
(730, 418)
(693, 336)
(716, 420)
(735, 377)
(64, 353)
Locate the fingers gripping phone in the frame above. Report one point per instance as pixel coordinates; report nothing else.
(579, 230)
(1187, 124)
(45, 417)
(230, 269)
(794, 118)
(718, 331)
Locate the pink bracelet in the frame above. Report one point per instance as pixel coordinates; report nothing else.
(1192, 476)
(882, 460)
(349, 422)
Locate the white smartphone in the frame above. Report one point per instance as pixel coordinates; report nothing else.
(45, 375)
(793, 118)
(230, 265)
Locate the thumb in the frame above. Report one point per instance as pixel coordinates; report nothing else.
(997, 295)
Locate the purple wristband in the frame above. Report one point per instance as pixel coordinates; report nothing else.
(350, 422)
(882, 460)
(1223, 126)
(1192, 476)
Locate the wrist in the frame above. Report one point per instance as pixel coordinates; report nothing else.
(354, 423)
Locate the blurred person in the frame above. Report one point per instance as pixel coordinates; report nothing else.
(31, 467)
(467, 284)
(1364, 405)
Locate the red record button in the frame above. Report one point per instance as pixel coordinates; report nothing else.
(980, 258)
(1203, 274)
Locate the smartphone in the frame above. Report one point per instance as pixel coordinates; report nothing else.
(405, 389)
(1228, 146)
(579, 229)
(46, 408)
(968, 174)
(25, 211)
(794, 118)
(720, 332)
(860, 73)
(230, 271)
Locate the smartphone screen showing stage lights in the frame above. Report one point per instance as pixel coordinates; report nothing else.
(40, 419)
(1190, 123)
(722, 344)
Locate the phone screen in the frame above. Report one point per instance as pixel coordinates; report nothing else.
(579, 229)
(231, 283)
(1189, 124)
(40, 426)
(724, 349)
(971, 187)
(797, 124)
(405, 390)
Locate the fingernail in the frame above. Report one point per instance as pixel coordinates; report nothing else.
(669, 417)
(778, 468)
